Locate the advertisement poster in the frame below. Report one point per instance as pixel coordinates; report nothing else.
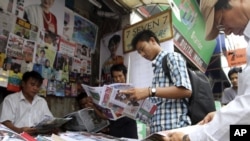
(110, 53)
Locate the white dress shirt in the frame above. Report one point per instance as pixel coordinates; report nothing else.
(22, 113)
(236, 112)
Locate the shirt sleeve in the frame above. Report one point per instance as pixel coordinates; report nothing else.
(236, 112)
(45, 109)
(7, 110)
(178, 70)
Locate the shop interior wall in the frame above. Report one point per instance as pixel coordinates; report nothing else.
(105, 26)
(61, 106)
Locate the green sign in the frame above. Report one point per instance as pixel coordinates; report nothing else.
(188, 21)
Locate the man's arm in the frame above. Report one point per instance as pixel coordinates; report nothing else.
(172, 92)
(90, 103)
(10, 125)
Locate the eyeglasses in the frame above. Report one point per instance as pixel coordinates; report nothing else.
(220, 26)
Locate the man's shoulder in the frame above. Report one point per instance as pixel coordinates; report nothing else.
(229, 89)
(13, 95)
(39, 98)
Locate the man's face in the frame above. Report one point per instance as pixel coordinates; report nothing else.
(42, 54)
(82, 103)
(47, 3)
(147, 49)
(233, 20)
(113, 47)
(234, 79)
(31, 87)
(118, 77)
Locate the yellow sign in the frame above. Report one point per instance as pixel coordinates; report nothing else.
(160, 24)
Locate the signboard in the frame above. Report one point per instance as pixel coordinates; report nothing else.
(236, 57)
(190, 26)
(185, 48)
(160, 24)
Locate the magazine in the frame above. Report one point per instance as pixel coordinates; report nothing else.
(159, 136)
(8, 134)
(116, 105)
(87, 136)
(48, 124)
(85, 119)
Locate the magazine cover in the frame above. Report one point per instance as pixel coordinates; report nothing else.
(7, 134)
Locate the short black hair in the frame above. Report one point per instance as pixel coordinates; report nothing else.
(114, 39)
(144, 35)
(42, 50)
(34, 75)
(81, 96)
(234, 70)
(222, 4)
(118, 67)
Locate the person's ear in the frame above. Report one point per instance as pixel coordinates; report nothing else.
(152, 39)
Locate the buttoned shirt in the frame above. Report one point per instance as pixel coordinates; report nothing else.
(236, 112)
(170, 113)
(22, 113)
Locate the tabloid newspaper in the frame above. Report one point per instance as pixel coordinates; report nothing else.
(116, 105)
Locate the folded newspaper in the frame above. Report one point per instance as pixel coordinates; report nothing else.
(85, 120)
(116, 105)
(48, 124)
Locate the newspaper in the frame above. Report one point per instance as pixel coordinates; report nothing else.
(48, 124)
(163, 135)
(116, 105)
(85, 119)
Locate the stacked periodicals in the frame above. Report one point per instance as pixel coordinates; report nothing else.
(7, 134)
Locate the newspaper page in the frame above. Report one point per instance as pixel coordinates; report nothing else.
(48, 123)
(116, 105)
(93, 92)
(108, 112)
(87, 118)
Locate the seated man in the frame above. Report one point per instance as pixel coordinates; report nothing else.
(21, 111)
(123, 127)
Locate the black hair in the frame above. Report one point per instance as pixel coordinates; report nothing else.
(144, 35)
(222, 4)
(42, 50)
(114, 39)
(118, 67)
(234, 70)
(34, 75)
(81, 96)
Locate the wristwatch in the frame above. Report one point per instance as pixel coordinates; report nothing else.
(153, 92)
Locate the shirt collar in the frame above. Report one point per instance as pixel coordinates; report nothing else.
(158, 58)
(22, 98)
